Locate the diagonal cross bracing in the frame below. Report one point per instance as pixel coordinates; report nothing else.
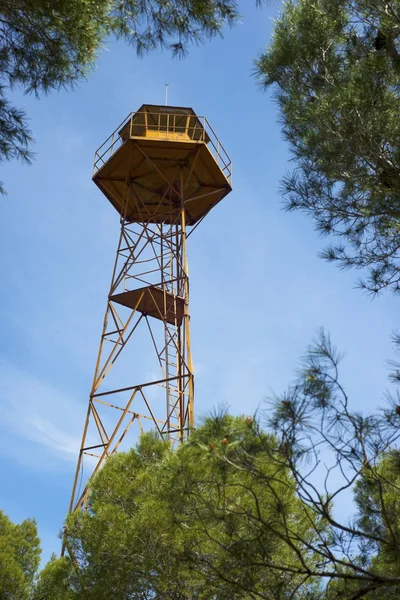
(163, 170)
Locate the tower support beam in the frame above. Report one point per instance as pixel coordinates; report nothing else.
(162, 170)
(155, 255)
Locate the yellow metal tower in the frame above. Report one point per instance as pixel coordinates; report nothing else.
(163, 169)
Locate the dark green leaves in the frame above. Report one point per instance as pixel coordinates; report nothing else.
(203, 521)
(339, 103)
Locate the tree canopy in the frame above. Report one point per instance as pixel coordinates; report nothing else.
(329, 454)
(19, 558)
(179, 525)
(335, 69)
(335, 453)
(236, 512)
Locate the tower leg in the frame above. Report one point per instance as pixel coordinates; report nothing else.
(148, 298)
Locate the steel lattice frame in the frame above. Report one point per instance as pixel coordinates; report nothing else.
(145, 251)
(149, 294)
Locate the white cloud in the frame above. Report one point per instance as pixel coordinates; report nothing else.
(37, 417)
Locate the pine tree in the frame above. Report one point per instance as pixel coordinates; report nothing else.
(335, 69)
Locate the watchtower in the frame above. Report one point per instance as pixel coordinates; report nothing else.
(163, 169)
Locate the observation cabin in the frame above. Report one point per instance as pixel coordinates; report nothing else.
(160, 160)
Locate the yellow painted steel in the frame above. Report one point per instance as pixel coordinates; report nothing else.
(162, 169)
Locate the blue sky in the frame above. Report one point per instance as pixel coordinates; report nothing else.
(258, 288)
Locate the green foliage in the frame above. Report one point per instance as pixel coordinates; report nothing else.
(55, 581)
(186, 523)
(335, 68)
(236, 513)
(242, 501)
(334, 453)
(378, 501)
(19, 558)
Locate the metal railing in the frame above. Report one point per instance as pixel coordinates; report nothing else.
(137, 124)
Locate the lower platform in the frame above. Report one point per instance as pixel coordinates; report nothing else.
(154, 302)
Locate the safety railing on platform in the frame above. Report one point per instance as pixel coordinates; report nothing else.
(167, 127)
